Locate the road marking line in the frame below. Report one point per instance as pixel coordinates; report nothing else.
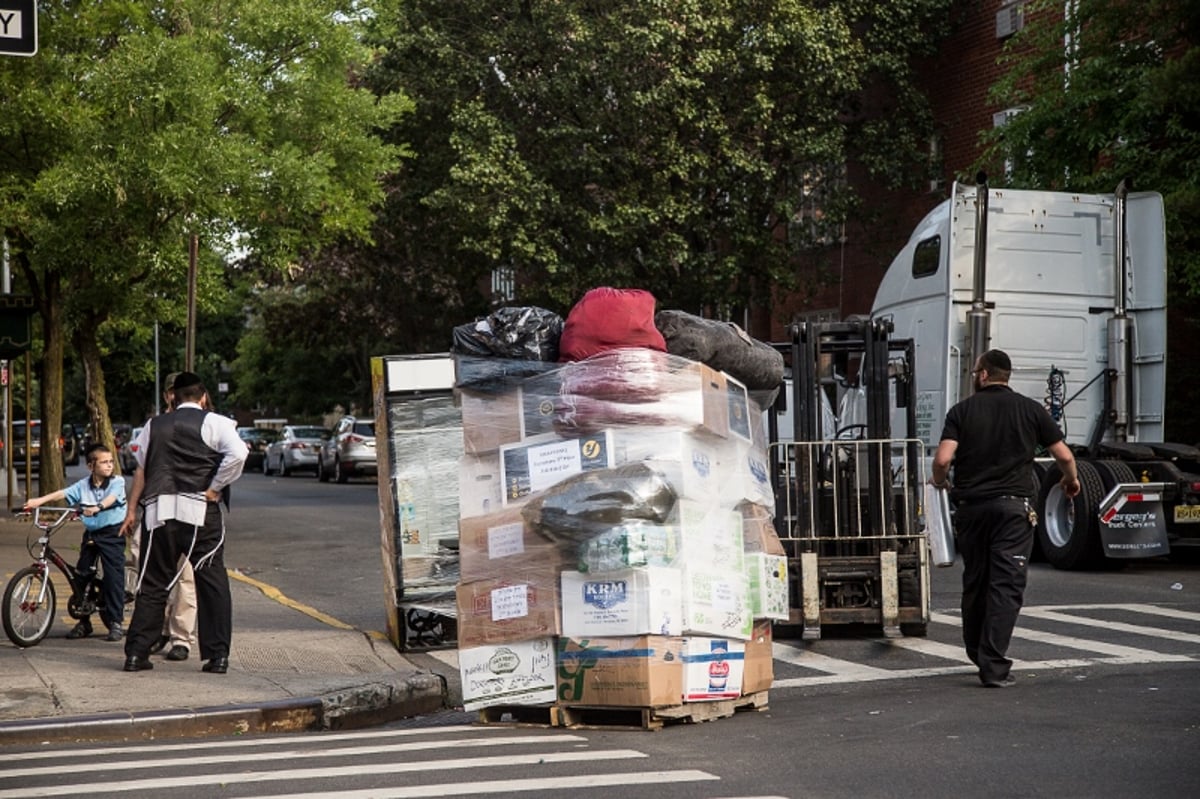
(811, 660)
(290, 774)
(518, 786)
(1085, 621)
(323, 739)
(1127, 654)
(295, 752)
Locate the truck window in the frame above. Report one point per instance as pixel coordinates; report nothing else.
(926, 257)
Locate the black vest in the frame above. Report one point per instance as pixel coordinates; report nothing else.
(177, 459)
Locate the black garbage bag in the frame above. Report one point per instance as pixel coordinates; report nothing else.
(723, 346)
(528, 333)
(588, 504)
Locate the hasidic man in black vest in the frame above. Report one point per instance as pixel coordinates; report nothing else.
(186, 459)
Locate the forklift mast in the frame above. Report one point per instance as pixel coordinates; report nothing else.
(848, 491)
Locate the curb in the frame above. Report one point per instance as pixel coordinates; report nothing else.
(352, 708)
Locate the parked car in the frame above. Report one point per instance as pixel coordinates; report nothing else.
(19, 447)
(72, 443)
(349, 451)
(257, 439)
(298, 447)
(127, 451)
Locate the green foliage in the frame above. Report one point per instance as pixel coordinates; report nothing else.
(1121, 100)
(681, 147)
(140, 124)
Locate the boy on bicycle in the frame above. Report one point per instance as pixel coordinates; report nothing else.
(102, 502)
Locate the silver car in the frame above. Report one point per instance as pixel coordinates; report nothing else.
(298, 447)
(349, 451)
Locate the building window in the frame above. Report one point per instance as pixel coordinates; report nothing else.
(811, 224)
(504, 285)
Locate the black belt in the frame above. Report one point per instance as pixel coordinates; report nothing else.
(991, 499)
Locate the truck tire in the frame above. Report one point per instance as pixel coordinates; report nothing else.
(1067, 530)
(1112, 473)
(1039, 477)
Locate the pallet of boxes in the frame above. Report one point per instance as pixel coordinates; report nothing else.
(619, 566)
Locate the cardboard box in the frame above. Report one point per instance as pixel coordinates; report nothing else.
(642, 671)
(712, 668)
(689, 461)
(501, 545)
(479, 485)
(758, 530)
(490, 420)
(508, 610)
(532, 466)
(520, 673)
(621, 603)
(716, 601)
(747, 475)
(759, 666)
(767, 583)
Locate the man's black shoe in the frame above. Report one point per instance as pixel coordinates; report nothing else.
(1007, 682)
(135, 663)
(158, 645)
(178, 652)
(216, 666)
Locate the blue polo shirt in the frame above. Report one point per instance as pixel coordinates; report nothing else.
(85, 493)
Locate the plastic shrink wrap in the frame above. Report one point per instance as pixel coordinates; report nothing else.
(618, 488)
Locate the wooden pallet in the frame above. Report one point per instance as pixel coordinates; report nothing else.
(596, 717)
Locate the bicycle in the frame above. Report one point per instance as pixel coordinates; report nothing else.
(30, 601)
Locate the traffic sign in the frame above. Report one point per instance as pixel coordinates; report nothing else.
(18, 27)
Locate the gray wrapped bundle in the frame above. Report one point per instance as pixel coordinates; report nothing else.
(723, 346)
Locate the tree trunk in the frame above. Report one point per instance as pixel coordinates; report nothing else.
(52, 470)
(88, 348)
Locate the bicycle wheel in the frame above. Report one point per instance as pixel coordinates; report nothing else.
(28, 609)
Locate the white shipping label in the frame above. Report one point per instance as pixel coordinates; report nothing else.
(550, 463)
(506, 540)
(510, 602)
(724, 596)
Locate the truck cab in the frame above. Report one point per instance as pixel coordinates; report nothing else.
(1073, 288)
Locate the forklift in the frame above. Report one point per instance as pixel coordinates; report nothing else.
(848, 491)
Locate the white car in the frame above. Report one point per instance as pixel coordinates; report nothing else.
(349, 451)
(298, 447)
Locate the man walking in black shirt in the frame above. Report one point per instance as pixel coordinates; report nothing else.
(991, 438)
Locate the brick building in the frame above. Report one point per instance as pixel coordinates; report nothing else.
(957, 81)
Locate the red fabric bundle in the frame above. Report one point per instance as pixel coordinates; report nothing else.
(607, 318)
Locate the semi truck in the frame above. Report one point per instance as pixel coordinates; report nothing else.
(1073, 287)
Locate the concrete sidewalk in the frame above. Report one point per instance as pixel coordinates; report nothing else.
(289, 670)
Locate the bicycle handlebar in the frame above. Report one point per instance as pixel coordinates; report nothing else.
(65, 515)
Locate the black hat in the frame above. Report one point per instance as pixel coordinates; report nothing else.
(186, 380)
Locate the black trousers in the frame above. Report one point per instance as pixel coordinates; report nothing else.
(995, 539)
(161, 550)
(107, 545)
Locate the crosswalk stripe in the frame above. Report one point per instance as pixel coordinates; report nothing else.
(1152, 610)
(1127, 654)
(1085, 621)
(229, 778)
(927, 647)
(250, 757)
(518, 786)
(245, 743)
(817, 662)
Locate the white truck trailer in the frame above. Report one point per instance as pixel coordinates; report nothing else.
(1073, 287)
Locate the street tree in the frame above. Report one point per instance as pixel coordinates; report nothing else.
(1108, 91)
(140, 125)
(699, 149)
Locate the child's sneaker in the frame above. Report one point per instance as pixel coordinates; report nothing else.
(81, 630)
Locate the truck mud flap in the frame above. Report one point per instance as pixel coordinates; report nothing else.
(1132, 521)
